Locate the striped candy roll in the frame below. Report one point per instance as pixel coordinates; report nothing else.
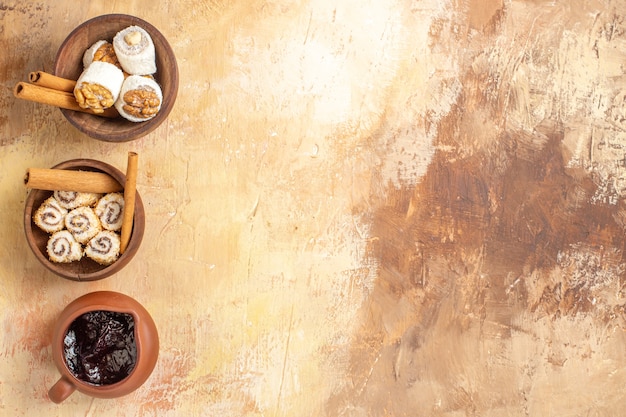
(50, 216)
(83, 223)
(104, 247)
(109, 210)
(63, 248)
(72, 199)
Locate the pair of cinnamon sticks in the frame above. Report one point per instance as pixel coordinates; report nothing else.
(56, 91)
(91, 182)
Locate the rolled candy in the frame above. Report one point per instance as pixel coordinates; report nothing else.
(140, 98)
(72, 199)
(100, 51)
(104, 247)
(50, 216)
(63, 248)
(91, 51)
(83, 223)
(109, 210)
(135, 51)
(98, 86)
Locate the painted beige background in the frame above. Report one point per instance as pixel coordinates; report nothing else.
(356, 208)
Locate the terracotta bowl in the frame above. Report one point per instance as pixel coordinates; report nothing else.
(145, 335)
(85, 269)
(68, 64)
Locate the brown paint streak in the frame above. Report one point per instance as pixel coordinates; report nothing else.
(484, 15)
(475, 245)
(452, 259)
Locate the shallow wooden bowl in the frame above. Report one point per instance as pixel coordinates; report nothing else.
(85, 269)
(69, 64)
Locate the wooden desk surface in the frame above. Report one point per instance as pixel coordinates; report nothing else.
(356, 208)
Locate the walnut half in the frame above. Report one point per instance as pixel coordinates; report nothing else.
(106, 53)
(93, 96)
(143, 102)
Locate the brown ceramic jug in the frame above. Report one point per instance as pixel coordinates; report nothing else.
(145, 346)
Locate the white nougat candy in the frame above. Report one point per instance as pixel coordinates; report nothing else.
(90, 52)
(135, 51)
(138, 83)
(104, 74)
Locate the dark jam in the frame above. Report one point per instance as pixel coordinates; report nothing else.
(100, 348)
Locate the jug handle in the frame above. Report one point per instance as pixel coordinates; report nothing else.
(62, 389)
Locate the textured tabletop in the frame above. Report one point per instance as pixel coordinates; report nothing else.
(355, 208)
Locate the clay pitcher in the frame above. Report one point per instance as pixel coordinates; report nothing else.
(145, 349)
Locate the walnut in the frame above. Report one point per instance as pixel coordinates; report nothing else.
(106, 53)
(142, 102)
(93, 96)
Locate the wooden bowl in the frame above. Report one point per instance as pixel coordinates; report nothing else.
(85, 269)
(69, 64)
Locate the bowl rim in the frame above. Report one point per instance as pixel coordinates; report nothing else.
(136, 130)
(108, 270)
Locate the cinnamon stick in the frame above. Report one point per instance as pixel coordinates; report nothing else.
(129, 200)
(44, 79)
(69, 180)
(57, 98)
